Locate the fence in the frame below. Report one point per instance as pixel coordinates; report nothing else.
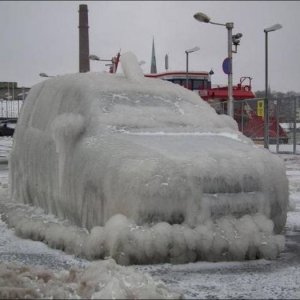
(10, 109)
(284, 121)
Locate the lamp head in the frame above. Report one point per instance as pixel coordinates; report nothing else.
(201, 17)
(273, 28)
(94, 57)
(192, 49)
(43, 75)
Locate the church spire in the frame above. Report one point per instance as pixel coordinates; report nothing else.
(153, 60)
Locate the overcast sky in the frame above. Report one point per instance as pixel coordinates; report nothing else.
(42, 36)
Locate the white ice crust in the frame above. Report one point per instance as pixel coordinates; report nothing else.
(101, 280)
(148, 168)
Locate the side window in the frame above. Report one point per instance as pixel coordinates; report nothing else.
(177, 81)
(208, 84)
(201, 84)
(197, 84)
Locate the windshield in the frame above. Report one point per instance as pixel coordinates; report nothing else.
(131, 112)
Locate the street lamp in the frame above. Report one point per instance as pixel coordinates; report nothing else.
(97, 58)
(113, 62)
(187, 52)
(201, 17)
(266, 101)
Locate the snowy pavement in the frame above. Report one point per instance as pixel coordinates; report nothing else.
(258, 279)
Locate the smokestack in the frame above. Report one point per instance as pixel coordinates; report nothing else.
(84, 52)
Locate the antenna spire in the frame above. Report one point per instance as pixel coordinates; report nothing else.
(153, 60)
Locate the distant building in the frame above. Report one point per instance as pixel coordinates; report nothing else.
(11, 91)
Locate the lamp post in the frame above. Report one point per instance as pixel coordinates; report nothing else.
(266, 100)
(187, 52)
(201, 17)
(97, 58)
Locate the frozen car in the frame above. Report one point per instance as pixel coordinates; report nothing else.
(90, 146)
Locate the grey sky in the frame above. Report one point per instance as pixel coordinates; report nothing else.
(42, 36)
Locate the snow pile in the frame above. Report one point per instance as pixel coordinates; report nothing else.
(113, 153)
(101, 280)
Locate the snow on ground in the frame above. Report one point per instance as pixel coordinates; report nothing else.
(30, 267)
(100, 280)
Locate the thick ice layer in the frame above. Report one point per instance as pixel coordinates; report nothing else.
(227, 238)
(91, 146)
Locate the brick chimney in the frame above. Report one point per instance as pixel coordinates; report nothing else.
(84, 52)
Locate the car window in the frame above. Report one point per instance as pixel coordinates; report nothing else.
(141, 110)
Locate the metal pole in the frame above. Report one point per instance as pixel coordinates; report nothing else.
(243, 117)
(7, 100)
(12, 100)
(295, 127)
(23, 97)
(187, 69)
(266, 102)
(230, 108)
(277, 126)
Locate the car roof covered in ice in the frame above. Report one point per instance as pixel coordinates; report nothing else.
(123, 101)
